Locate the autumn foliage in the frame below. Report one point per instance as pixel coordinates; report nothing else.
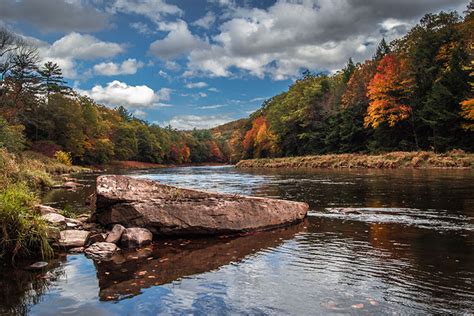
(389, 93)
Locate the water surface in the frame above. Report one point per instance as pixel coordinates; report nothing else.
(375, 242)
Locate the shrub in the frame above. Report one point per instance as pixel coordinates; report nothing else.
(63, 157)
(23, 232)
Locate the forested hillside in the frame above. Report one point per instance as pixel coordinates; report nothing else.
(39, 111)
(416, 93)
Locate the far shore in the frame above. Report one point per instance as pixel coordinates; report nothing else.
(455, 159)
(131, 164)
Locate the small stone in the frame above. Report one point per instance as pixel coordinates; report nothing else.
(101, 250)
(38, 265)
(55, 219)
(115, 234)
(136, 237)
(73, 238)
(44, 209)
(358, 306)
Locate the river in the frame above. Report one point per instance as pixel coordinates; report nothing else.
(406, 247)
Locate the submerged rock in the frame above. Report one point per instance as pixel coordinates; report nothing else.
(101, 250)
(168, 210)
(136, 237)
(73, 238)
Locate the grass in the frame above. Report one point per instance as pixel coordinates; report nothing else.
(23, 232)
(421, 159)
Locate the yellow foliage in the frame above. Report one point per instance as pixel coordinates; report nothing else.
(63, 157)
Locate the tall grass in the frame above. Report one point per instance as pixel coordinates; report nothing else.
(23, 232)
(422, 159)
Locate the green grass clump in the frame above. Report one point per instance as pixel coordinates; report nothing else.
(22, 232)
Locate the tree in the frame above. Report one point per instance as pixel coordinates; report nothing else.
(382, 50)
(389, 93)
(52, 79)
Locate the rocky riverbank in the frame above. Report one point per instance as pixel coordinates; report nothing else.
(453, 159)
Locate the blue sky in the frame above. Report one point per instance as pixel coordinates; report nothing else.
(201, 63)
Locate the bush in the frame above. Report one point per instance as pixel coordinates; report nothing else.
(23, 232)
(63, 157)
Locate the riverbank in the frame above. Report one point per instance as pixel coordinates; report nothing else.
(24, 232)
(422, 159)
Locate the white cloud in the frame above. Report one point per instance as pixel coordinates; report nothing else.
(213, 89)
(139, 114)
(155, 10)
(199, 84)
(128, 67)
(72, 47)
(133, 97)
(206, 21)
(178, 42)
(142, 28)
(83, 46)
(210, 107)
(188, 122)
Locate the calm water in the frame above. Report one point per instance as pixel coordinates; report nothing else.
(407, 247)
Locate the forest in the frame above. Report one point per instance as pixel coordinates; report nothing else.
(416, 93)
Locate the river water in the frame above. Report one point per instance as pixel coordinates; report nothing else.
(375, 242)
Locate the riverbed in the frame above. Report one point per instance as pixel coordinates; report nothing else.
(375, 242)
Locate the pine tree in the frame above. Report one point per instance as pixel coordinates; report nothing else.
(52, 79)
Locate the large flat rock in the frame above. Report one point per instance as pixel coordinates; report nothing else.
(169, 210)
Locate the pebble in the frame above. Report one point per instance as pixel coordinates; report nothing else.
(38, 265)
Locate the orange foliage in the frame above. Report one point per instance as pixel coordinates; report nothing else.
(185, 153)
(388, 92)
(216, 153)
(260, 139)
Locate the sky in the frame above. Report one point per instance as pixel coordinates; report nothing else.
(202, 63)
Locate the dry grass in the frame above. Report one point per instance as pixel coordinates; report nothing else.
(421, 159)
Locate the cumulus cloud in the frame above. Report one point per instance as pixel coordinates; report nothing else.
(206, 21)
(199, 84)
(127, 67)
(132, 97)
(287, 36)
(178, 42)
(189, 122)
(142, 28)
(55, 15)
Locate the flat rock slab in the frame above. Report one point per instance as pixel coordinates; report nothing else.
(101, 250)
(169, 210)
(73, 238)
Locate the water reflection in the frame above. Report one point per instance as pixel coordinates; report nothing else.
(167, 261)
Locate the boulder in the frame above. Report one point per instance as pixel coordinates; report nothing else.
(115, 234)
(136, 237)
(55, 219)
(73, 238)
(168, 210)
(101, 250)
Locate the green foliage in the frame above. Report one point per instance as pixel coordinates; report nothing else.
(22, 231)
